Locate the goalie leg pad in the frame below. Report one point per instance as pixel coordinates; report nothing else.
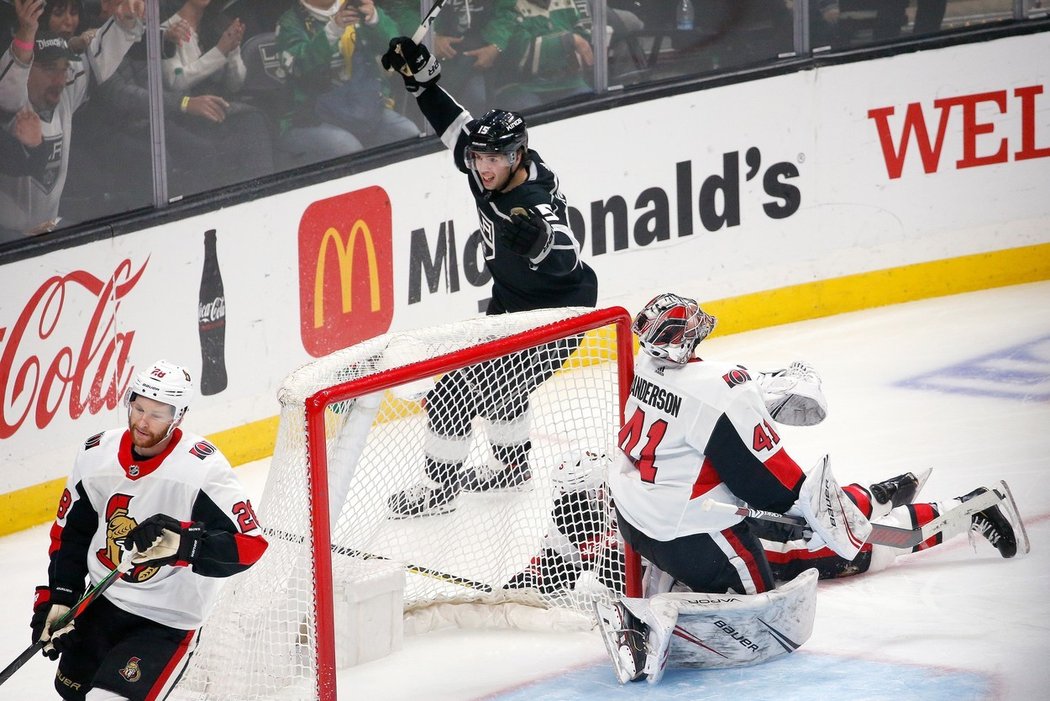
(716, 631)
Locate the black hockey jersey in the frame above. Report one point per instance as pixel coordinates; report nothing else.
(561, 278)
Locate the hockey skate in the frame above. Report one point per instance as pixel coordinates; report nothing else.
(624, 636)
(428, 498)
(488, 479)
(899, 490)
(1000, 524)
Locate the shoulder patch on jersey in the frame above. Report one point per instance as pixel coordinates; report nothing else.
(93, 441)
(737, 376)
(202, 449)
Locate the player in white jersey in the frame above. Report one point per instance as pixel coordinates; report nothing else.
(170, 496)
(699, 429)
(36, 70)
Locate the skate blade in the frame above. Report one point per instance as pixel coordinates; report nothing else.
(1020, 533)
(921, 477)
(526, 486)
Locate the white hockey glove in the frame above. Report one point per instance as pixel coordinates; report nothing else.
(793, 396)
(162, 540)
(56, 639)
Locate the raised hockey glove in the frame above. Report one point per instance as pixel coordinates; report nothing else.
(527, 233)
(418, 68)
(45, 614)
(162, 540)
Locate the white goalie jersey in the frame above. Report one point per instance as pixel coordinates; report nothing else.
(693, 432)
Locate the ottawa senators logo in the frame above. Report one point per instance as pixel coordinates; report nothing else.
(131, 671)
(118, 526)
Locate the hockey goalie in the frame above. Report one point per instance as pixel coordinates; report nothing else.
(723, 589)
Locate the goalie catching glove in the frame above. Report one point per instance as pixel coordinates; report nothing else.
(162, 540)
(527, 233)
(418, 68)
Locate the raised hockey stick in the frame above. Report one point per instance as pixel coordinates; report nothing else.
(881, 534)
(428, 21)
(416, 569)
(70, 615)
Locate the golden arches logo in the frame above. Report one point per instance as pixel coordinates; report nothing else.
(345, 257)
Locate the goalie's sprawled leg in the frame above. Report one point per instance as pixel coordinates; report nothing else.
(1000, 524)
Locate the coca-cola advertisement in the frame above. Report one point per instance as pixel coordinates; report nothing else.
(56, 359)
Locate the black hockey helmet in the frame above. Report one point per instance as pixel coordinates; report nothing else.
(498, 131)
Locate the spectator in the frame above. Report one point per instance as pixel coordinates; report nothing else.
(469, 38)
(337, 98)
(547, 57)
(22, 150)
(63, 18)
(890, 17)
(210, 142)
(221, 67)
(35, 70)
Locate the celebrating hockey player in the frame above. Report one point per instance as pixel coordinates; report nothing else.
(169, 501)
(698, 430)
(535, 264)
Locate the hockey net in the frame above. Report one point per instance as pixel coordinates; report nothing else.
(353, 429)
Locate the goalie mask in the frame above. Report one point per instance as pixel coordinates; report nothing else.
(670, 327)
(164, 382)
(498, 131)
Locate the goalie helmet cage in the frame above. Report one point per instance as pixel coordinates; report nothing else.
(352, 432)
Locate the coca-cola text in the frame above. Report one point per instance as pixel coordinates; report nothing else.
(35, 376)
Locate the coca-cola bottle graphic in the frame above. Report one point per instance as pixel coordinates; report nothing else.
(211, 320)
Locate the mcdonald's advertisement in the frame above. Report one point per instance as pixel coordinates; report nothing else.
(345, 261)
(704, 196)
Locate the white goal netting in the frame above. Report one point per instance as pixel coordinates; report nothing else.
(473, 455)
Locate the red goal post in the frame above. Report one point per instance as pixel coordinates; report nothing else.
(273, 633)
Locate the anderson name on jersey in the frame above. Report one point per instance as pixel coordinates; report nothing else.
(695, 432)
(108, 493)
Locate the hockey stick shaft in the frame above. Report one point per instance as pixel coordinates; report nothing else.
(428, 21)
(417, 569)
(881, 534)
(70, 615)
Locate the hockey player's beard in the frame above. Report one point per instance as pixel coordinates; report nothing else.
(143, 440)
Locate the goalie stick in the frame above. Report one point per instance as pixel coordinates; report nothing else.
(892, 536)
(70, 615)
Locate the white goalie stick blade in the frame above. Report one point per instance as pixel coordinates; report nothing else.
(624, 639)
